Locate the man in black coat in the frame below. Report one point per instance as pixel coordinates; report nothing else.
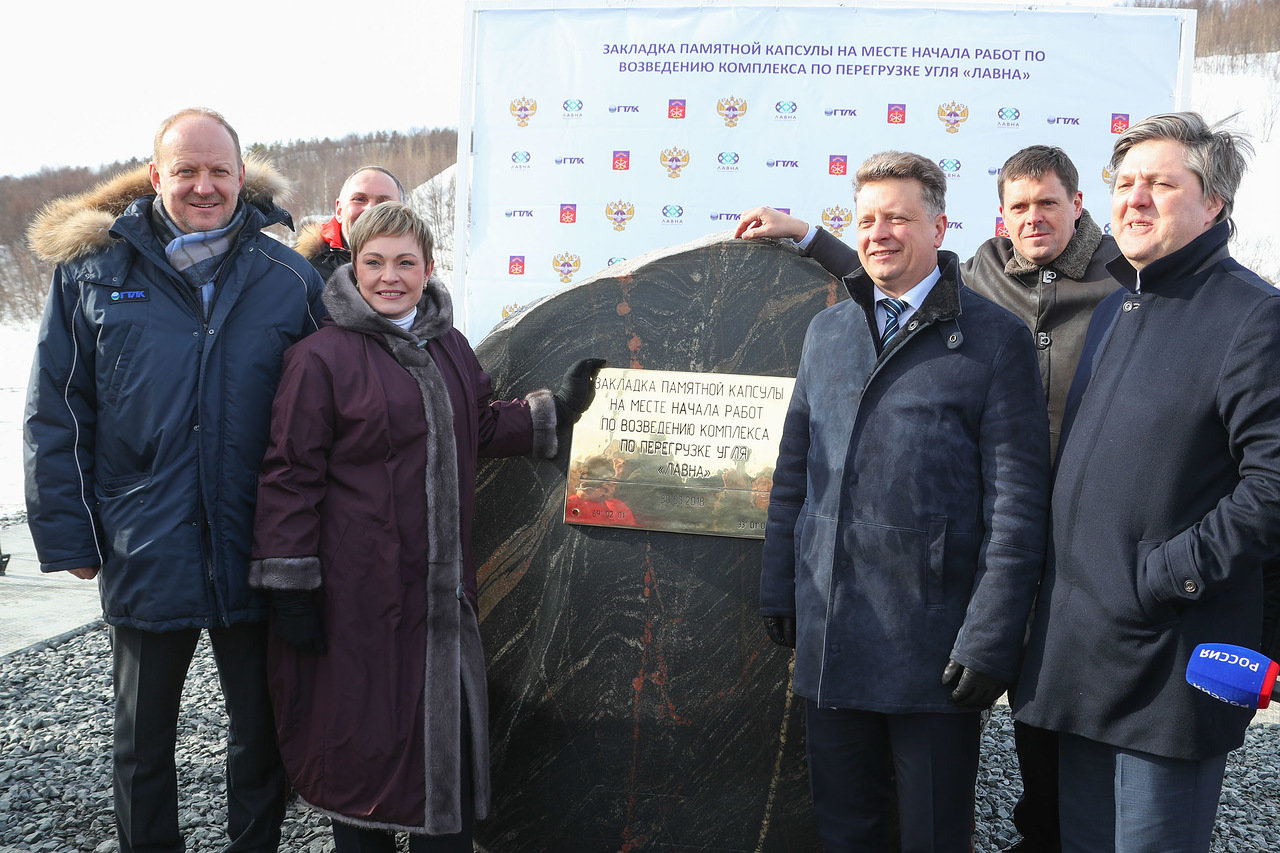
(1165, 498)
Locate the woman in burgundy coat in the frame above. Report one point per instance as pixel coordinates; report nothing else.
(362, 537)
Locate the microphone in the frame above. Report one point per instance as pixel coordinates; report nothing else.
(1233, 674)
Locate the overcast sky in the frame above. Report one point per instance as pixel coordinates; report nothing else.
(88, 83)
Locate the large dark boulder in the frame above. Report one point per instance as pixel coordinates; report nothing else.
(636, 703)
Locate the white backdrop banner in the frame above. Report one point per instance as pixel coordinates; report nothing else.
(597, 134)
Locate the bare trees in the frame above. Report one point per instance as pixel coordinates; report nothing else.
(316, 167)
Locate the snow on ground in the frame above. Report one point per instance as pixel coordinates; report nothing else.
(17, 343)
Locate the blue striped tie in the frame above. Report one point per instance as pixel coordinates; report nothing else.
(892, 307)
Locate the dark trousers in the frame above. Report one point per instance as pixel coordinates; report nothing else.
(854, 757)
(149, 669)
(1117, 799)
(354, 839)
(1036, 814)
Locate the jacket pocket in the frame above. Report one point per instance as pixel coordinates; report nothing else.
(119, 366)
(1155, 611)
(114, 487)
(797, 532)
(935, 549)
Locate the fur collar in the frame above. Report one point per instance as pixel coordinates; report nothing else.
(77, 225)
(312, 240)
(1074, 260)
(348, 309)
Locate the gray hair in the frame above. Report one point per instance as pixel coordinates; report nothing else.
(1036, 161)
(1215, 155)
(903, 165)
(390, 219)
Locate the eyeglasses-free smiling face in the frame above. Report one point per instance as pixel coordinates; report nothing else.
(361, 192)
(390, 273)
(199, 174)
(1158, 205)
(898, 239)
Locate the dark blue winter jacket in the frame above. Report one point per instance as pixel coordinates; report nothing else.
(145, 423)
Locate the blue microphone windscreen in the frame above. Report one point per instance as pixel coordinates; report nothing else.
(1233, 674)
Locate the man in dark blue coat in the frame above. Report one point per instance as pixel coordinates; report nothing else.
(1051, 272)
(1164, 505)
(907, 522)
(147, 418)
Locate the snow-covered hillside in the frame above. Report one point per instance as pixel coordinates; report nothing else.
(1221, 86)
(1249, 86)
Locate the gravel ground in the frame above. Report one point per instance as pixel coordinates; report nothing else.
(55, 773)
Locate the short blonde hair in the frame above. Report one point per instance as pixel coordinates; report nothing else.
(390, 219)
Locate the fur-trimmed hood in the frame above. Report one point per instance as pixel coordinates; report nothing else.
(313, 241)
(77, 225)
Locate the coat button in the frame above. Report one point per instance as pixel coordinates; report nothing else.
(1050, 275)
(1043, 340)
(1190, 586)
(1130, 305)
(461, 592)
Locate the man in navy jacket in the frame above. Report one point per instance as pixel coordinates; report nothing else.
(1164, 504)
(906, 526)
(147, 419)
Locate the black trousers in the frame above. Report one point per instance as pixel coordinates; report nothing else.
(1036, 814)
(149, 670)
(854, 757)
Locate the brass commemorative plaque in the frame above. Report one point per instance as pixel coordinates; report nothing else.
(683, 452)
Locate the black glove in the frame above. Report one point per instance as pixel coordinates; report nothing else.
(973, 690)
(577, 390)
(295, 618)
(782, 630)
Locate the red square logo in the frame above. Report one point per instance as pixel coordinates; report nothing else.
(568, 213)
(515, 265)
